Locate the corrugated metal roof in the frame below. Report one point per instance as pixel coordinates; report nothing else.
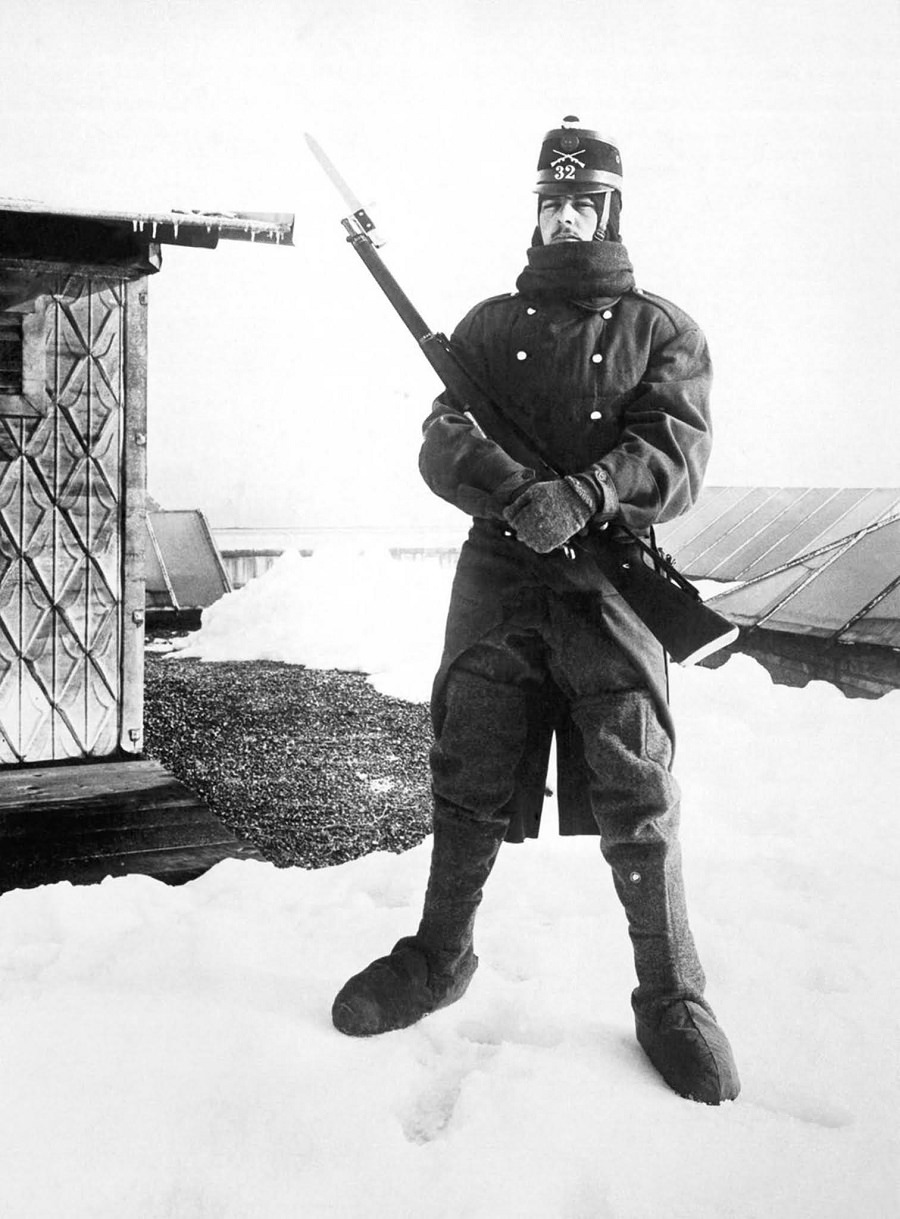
(739, 533)
(847, 591)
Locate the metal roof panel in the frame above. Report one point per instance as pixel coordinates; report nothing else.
(880, 626)
(739, 533)
(186, 570)
(752, 504)
(828, 592)
(747, 541)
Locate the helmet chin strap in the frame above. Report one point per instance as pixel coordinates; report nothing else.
(602, 220)
(600, 234)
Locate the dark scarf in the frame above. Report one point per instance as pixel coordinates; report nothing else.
(588, 273)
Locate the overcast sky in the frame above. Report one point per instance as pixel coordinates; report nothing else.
(759, 148)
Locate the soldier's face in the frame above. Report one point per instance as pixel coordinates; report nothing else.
(567, 218)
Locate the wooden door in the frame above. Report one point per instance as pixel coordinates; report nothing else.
(71, 476)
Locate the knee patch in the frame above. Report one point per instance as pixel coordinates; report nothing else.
(629, 754)
(479, 744)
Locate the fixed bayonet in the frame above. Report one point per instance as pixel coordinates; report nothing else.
(359, 216)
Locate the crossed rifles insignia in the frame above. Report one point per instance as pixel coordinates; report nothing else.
(569, 157)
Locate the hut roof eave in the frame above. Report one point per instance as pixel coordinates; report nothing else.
(174, 227)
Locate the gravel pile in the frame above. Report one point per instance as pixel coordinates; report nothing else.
(312, 767)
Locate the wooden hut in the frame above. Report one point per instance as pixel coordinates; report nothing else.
(77, 800)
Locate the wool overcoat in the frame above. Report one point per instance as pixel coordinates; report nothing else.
(621, 381)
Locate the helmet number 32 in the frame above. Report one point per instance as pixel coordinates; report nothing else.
(564, 171)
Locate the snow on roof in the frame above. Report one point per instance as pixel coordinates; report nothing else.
(174, 227)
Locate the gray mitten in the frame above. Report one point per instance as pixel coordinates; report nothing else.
(547, 514)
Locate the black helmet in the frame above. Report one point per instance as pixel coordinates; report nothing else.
(574, 158)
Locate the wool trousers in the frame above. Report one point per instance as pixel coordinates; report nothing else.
(547, 642)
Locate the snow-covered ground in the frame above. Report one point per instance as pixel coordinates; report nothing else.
(168, 1053)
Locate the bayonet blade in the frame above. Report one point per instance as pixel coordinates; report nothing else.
(359, 212)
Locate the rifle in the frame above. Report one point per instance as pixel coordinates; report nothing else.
(665, 601)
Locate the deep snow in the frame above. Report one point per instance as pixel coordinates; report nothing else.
(169, 1051)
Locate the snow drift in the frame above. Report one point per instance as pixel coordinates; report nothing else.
(169, 1052)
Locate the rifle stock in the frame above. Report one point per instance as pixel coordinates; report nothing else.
(668, 604)
(688, 630)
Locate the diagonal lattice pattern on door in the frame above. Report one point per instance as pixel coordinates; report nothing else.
(60, 543)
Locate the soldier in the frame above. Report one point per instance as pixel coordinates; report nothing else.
(612, 384)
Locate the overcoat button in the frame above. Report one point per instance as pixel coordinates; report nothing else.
(521, 355)
(530, 311)
(596, 358)
(596, 414)
(607, 314)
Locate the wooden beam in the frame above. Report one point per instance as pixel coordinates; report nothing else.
(82, 822)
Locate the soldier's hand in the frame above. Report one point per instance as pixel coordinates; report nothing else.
(547, 514)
